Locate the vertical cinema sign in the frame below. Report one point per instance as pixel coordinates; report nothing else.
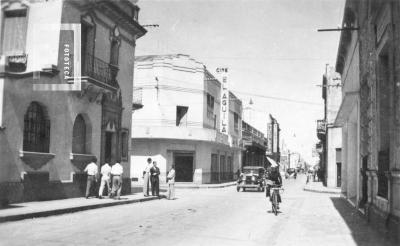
(224, 115)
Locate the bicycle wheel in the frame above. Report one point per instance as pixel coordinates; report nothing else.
(275, 201)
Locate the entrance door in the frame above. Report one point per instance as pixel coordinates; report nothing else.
(183, 167)
(214, 168)
(108, 147)
(339, 174)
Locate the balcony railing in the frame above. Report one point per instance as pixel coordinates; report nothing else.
(97, 69)
(137, 98)
(321, 129)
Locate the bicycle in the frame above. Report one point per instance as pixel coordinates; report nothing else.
(274, 199)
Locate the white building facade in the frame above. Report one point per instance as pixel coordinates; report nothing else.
(180, 121)
(333, 95)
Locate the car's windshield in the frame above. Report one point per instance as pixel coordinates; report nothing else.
(255, 171)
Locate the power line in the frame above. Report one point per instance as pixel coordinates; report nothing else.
(276, 98)
(185, 89)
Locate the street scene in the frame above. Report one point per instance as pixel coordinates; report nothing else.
(204, 122)
(206, 217)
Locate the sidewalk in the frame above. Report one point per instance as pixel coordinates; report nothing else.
(36, 209)
(28, 210)
(318, 187)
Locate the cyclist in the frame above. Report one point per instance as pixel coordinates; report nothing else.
(276, 178)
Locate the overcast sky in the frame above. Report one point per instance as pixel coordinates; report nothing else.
(271, 47)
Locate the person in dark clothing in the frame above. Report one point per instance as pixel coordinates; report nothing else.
(276, 178)
(154, 178)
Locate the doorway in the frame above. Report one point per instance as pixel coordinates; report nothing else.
(184, 167)
(339, 174)
(108, 147)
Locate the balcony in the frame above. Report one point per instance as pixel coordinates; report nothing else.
(137, 98)
(321, 129)
(97, 72)
(16, 63)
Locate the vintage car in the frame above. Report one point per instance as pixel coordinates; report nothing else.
(251, 177)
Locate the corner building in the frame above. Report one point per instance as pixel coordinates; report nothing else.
(180, 121)
(51, 129)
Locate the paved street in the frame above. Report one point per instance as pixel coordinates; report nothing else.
(204, 217)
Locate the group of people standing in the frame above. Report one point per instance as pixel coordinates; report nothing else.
(111, 176)
(151, 178)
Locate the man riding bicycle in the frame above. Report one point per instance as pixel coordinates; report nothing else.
(276, 179)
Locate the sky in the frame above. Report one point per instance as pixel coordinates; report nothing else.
(272, 48)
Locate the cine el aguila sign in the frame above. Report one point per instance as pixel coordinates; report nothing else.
(224, 120)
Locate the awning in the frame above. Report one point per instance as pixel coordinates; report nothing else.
(348, 102)
(273, 162)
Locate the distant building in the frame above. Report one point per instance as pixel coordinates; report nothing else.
(254, 143)
(368, 61)
(329, 134)
(50, 125)
(180, 121)
(273, 139)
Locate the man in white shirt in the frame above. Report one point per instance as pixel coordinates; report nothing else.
(146, 177)
(105, 179)
(116, 172)
(91, 170)
(171, 183)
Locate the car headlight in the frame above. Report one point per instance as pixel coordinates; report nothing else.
(243, 178)
(253, 178)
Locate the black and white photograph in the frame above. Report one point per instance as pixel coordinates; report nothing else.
(200, 122)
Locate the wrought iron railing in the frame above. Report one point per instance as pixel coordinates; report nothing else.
(137, 95)
(321, 126)
(97, 69)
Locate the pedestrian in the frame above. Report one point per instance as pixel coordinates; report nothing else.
(91, 170)
(155, 181)
(116, 172)
(105, 179)
(171, 183)
(146, 174)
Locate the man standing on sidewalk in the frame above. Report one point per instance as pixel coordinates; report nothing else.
(91, 170)
(171, 183)
(146, 174)
(105, 179)
(116, 172)
(155, 181)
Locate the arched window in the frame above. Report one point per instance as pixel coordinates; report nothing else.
(36, 129)
(79, 136)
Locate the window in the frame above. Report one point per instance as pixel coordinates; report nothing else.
(114, 53)
(181, 115)
(384, 95)
(236, 122)
(36, 129)
(115, 42)
(88, 32)
(124, 144)
(210, 106)
(79, 136)
(14, 32)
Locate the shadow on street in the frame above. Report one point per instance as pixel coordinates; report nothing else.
(362, 232)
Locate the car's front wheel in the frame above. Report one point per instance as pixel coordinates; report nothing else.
(237, 188)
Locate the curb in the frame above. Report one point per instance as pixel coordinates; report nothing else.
(31, 215)
(322, 191)
(202, 186)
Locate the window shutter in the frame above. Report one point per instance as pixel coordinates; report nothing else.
(14, 35)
